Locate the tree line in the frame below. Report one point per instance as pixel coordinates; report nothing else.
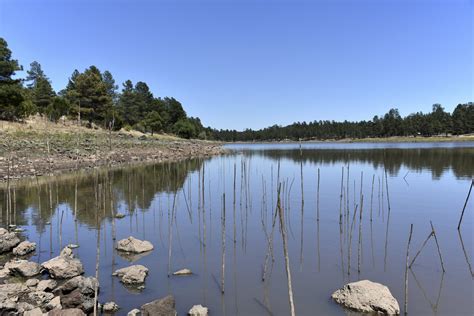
(91, 97)
(438, 122)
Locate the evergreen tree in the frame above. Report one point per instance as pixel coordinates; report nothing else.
(12, 96)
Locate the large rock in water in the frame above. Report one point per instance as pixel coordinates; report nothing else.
(134, 245)
(366, 296)
(24, 248)
(135, 274)
(64, 266)
(198, 310)
(161, 307)
(8, 240)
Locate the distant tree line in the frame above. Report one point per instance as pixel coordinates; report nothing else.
(91, 97)
(438, 122)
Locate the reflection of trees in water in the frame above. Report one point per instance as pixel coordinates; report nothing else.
(436, 160)
(133, 187)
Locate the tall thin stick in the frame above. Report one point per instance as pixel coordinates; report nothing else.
(317, 218)
(406, 270)
(285, 251)
(437, 246)
(223, 244)
(465, 203)
(340, 197)
(372, 196)
(419, 251)
(359, 248)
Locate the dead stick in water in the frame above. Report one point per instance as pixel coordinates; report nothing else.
(419, 251)
(406, 270)
(223, 244)
(359, 249)
(285, 251)
(437, 246)
(372, 197)
(319, 176)
(349, 250)
(465, 204)
(340, 197)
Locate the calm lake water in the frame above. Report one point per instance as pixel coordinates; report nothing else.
(426, 182)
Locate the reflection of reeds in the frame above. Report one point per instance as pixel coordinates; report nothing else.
(285, 252)
(406, 270)
(223, 244)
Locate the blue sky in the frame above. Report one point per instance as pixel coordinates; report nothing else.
(239, 64)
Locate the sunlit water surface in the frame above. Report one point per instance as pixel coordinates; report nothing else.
(426, 182)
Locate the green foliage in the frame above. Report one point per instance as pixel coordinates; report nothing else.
(185, 128)
(153, 122)
(12, 97)
(57, 108)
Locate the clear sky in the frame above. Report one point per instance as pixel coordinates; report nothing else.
(239, 64)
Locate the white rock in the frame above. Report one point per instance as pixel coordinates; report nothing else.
(135, 274)
(183, 272)
(110, 307)
(24, 248)
(55, 303)
(368, 297)
(134, 245)
(134, 312)
(198, 310)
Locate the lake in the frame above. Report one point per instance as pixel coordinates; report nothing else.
(180, 206)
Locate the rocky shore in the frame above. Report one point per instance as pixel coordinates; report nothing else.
(58, 287)
(30, 151)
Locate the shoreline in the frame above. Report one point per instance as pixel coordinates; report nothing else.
(397, 139)
(30, 151)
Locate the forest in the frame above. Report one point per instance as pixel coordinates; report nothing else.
(93, 98)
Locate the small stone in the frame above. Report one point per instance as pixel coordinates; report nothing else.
(198, 310)
(183, 272)
(24, 248)
(110, 307)
(134, 245)
(31, 282)
(134, 312)
(46, 285)
(119, 215)
(72, 246)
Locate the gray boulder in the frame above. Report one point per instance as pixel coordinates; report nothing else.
(162, 307)
(368, 297)
(110, 307)
(23, 268)
(134, 245)
(135, 274)
(65, 266)
(23, 248)
(8, 240)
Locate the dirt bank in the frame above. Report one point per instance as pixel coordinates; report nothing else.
(38, 148)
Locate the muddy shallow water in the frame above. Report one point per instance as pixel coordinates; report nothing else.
(181, 205)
